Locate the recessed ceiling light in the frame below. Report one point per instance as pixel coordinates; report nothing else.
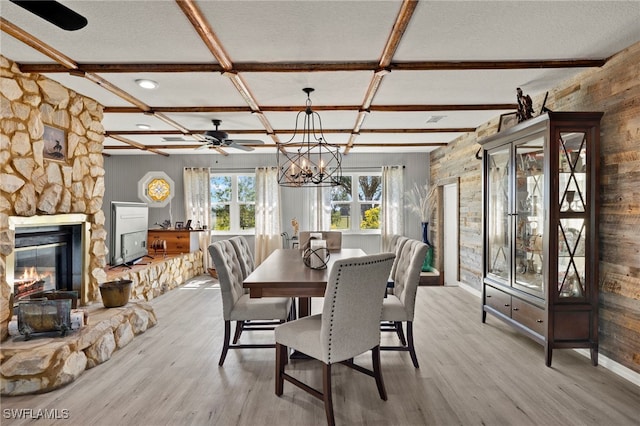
(143, 126)
(146, 84)
(435, 118)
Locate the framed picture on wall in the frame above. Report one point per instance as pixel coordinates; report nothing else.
(55, 144)
(507, 120)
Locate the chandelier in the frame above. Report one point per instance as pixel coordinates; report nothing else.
(310, 161)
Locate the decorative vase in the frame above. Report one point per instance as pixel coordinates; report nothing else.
(115, 293)
(427, 265)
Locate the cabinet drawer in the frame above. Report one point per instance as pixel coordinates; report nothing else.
(529, 315)
(498, 300)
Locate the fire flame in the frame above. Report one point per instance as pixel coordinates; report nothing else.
(32, 275)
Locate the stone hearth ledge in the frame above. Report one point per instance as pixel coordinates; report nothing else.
(47, 363)
(43, 364)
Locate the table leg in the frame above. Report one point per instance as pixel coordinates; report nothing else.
(304, 307)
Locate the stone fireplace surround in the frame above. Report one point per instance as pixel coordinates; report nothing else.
(33, 187)
(36, 189)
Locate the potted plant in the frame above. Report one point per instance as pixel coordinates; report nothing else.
(419, 202)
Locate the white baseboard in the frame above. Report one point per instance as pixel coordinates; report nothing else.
(470, 289)
(611, 365)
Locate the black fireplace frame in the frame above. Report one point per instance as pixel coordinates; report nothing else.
(69, 271)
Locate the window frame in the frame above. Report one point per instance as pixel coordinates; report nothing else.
(355, 203)
(234, 204)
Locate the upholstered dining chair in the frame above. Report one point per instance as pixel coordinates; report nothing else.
(395, 246)
(247, 263)
(399, 307)
(348, 325)
(333, 238)
(237, 305)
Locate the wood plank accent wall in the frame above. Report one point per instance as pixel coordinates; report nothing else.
(614, 89)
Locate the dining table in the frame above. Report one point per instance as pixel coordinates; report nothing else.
(284, 274)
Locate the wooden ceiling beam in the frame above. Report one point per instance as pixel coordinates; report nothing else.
(400, 25)
(291, 131)
(270, 146)
(139, 105)
(292, 67)
(204, 30)
(379, 108)
(137, 145)
(39, 45)
(72, 67)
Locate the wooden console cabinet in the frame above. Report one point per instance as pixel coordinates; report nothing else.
(178, 241)
(540, 229)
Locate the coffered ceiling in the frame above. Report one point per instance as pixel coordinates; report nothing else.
(400, 76)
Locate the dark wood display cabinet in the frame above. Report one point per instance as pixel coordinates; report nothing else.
(540, 228)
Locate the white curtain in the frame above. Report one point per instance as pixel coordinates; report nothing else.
(197, 206)
(268, 231)
(320, 208)
(392, 204)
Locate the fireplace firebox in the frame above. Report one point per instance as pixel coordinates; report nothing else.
(47, 258)
(50, 255)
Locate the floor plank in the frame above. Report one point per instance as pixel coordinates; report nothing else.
(471, 374)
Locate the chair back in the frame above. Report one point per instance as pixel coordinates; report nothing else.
(229, 273)
(353, 306)
(247, 263)
(396, 248)
(333, 239)
(390, 244)
(407, 274)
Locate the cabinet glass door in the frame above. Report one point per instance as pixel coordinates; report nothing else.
(529, 216)
(572, 205)
(498, 256)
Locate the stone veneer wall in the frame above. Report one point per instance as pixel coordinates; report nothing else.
(31, 185)
(614, 89)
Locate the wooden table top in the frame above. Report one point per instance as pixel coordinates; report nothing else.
(284, 274)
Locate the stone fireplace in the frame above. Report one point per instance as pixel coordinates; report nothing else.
(36, 191)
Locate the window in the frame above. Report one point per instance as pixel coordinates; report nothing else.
(233, 202)
(355, 204)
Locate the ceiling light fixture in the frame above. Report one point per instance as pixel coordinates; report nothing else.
(142, 126)
(146, 84)
(311, 161)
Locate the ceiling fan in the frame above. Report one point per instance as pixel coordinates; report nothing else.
(54, 12)
(221, 139)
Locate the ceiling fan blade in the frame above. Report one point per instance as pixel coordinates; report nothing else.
(240, 147)
(54, 12)
(245, 141)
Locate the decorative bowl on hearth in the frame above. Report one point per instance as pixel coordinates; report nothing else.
(115, 293)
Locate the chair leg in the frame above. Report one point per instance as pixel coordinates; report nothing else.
(400, 333)
(326, 394)
(377, 372)
(239, 328)
(281, 360)
(412, 349)
(225, 346)
(293, 313)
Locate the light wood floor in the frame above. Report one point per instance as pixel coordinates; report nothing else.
(471, 374)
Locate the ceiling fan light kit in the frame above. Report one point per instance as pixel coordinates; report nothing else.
(311, 161)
